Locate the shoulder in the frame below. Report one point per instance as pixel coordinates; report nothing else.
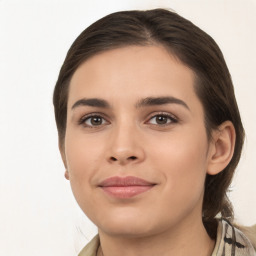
(91, 248)
(250, 233)
(234, 240)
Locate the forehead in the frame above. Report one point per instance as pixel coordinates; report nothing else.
(132, 73)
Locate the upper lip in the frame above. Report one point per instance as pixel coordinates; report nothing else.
(127, 181)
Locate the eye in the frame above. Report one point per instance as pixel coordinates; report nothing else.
(162, 119)
(93, 121)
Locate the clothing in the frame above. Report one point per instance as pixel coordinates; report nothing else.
(230, 241)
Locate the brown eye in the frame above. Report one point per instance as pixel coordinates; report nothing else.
(162, 120)
(94, 121)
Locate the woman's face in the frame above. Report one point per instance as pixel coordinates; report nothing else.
(136, 149)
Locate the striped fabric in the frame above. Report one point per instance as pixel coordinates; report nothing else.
(232, 242)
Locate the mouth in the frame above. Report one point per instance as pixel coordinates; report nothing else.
(125, 187)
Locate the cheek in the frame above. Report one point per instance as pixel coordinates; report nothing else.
(182, 160)
(81, 153)
(83, 161)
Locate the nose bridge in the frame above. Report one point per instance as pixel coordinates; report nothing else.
(125, 144)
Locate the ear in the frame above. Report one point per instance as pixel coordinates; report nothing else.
(221, 148)
(63, 156)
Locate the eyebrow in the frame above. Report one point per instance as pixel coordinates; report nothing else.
(152, 101)
(149, 101)
(94, 102)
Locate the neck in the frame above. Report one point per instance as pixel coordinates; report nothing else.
(184, 239)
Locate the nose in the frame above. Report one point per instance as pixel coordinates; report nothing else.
(125, 146)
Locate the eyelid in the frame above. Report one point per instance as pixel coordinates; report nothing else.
(173, 118)
(82, 120)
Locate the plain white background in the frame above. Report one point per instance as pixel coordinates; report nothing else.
(38, 215)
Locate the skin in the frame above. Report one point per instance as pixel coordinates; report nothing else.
(165, 144)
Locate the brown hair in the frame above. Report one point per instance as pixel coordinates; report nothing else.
(194, 48)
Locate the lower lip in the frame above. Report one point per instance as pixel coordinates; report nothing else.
(126, 191)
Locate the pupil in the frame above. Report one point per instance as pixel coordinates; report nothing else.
(96, 120)
(161, 119)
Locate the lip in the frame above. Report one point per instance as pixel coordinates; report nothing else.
(125, 187)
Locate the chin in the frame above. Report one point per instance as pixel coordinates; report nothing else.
(127, 230)
(127, 225)
(131, 226)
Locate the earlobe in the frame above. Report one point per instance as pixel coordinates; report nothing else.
(62, 153)
(221, 148)
(63, 157)
(66, 174)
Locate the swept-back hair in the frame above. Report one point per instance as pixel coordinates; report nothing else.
(195, 49)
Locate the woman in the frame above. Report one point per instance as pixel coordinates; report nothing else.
(150, 135)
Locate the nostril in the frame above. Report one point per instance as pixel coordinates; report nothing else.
(121, 159)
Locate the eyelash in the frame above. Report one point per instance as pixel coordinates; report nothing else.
(172, 119)
(85, 118)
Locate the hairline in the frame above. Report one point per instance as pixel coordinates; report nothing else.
(147, 43)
